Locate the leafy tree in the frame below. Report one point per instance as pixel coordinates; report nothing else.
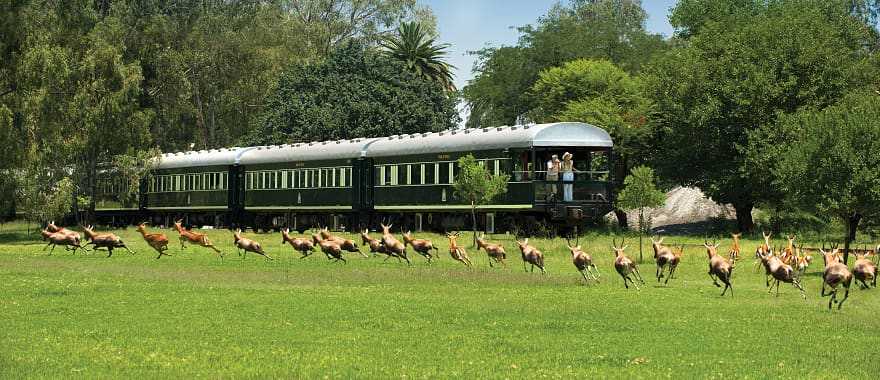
(733, 76)
(356, 92)
(639, 193)
(41, 194)
(476, 185)
(598, 29)
(131, 169)
(418, 51)
(831, 164)
(600, 93)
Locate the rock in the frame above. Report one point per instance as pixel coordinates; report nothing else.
(684, 205)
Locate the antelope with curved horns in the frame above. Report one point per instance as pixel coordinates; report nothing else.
(835, 274)
(865, 271)
(582, 260)
(302, 245)
(330, 248)
(457, 252)
(106, 240)
(194, 237)
(157, 241)
(719, 267)
(531, 255)
(494, 251)
(625, 267)
(763, 250)
(51, 227)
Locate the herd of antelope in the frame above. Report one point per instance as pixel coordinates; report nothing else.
(781, 264)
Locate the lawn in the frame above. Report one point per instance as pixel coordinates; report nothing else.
(86, 315)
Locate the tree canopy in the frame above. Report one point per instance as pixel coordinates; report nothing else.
(356, 92)
(734, 75)
(413, 46)
(830, 166)
(604, 29)
(475, 185)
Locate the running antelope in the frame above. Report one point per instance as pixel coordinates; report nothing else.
(374, 244)
(531, 255)
(735, 249)
(494, 251)
(625, 267)
(247, 245)
(457, 252)
(393, 245)
(582, 261)
(51, 227)
(108, 240)
(194, 238)
(719, 267)
(802, 260)
(301, 245)
(157, 241)
(346, 244)
(330, 248)
(421, 246)
(788, 254)
(62, 239)
(836, 273)
(664, 257)
(865, 271)
(782, 272)
(763, 251)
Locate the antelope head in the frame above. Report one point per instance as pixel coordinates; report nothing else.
(618, 250)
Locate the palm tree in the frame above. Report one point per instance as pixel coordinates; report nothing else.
(417, 49)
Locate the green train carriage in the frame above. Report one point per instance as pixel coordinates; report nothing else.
(354, 183)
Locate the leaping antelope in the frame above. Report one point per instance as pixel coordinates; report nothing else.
(106, 240)
(719, 267)
(457, 252)
(865, 271)
(494, 251)
(582, 261)
(835, 274)
(158, 241)
(531, 255)
(247, 245)
(304, 246)
(194, 237)
(625, 267)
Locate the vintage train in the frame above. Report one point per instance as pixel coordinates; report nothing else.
(348, 184)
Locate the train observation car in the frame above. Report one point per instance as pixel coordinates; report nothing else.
(407, 179)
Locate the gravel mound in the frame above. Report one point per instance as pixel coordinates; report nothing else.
(684, 205)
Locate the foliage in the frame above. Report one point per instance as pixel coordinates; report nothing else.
(598, 29)
(476, 185)
(639, 193)
(733, 76)
(131, 169)
(830, 167)
(356, 92)
(134, 301)
(42, 195)
(413, 46)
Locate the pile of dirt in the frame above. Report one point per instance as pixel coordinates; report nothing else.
(684, 206)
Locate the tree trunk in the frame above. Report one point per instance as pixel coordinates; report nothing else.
(474, 221)
(622, 222)
(744, 217)
(852, 224)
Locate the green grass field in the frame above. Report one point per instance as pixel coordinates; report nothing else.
(85, 315)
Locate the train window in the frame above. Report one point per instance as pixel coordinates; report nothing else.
(409, 174)
(497, 166)
(451, 173)
(436, 174)
(422, 174)
(395, 175)
(381, 174)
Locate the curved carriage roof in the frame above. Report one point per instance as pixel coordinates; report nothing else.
(213, 157)
(518, 136)
(325, 150)
(463, 140)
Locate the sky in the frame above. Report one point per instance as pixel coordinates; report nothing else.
(470, 25)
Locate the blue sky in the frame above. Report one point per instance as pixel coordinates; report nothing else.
(473, 24)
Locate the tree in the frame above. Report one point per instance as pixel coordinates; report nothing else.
(476, 185)
(356, 92)
(413, 46)
(600, 93)
(640, 193)
(831, 164)
(735, 74)
(597, 29)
